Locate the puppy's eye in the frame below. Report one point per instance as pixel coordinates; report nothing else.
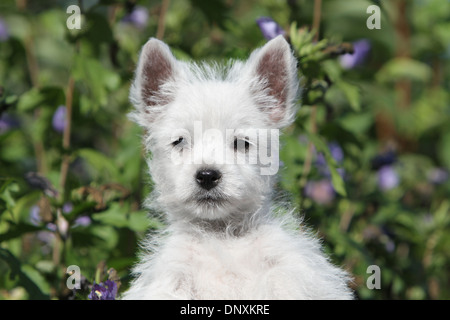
(178, 141)
(241, 144)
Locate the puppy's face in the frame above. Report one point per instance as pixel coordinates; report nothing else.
(206, 150)
(213, 133)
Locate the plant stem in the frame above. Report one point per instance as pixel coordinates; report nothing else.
(59, 250)
(403, 87)
(68, 125)
(309, 153)
(33, 70)
(162, 19)
(313, 117)
(33, 66)
(387, 133)
(316, 18)
(66, 135)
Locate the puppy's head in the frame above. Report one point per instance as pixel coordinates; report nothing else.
(213, 130)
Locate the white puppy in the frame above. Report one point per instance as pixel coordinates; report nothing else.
(213, 136)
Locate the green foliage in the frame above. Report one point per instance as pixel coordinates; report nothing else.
(367, 161)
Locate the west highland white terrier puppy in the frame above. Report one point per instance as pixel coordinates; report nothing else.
(212, 132)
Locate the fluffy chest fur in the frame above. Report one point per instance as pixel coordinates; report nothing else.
(269, 262)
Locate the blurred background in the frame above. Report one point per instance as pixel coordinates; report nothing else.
(366, 162)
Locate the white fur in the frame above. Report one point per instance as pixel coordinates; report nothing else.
(235, 246)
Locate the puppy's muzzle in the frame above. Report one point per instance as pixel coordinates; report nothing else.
(208, 178)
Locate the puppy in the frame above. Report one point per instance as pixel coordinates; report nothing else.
(212, 132)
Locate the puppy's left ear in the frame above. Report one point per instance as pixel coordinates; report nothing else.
(154, 85)
(274, 81)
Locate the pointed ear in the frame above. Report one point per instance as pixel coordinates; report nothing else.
(155, 74)
(274, 82)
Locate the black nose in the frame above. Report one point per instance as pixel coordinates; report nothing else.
(208, 179)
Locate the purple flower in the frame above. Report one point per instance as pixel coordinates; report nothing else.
(35, 216)
(103, 291)
(138, 17)
(320, 160)
(67, 207)
(437, 175)
(361, 49)
(269, 28)
(59, 119)
(7, 122)
(4, 32)
(36, 219)
(98, 292)
(387, 178)
(45, 236)
(384, 159)
(79, 221)
(336, 151)
(52, 227)
(321, 191)
(83, 221)
(337, 154)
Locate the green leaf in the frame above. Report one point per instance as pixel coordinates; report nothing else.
(403, 68)
(17, 230)
(292, 152)
(356, 123)
(351, 92)
(47, 96)
(11, 99)
(332, 69)
(30, 100)
(116, 216)
(216, 11)
(99, 161)
(37, 278)
(98, 29)
(19, 26)
(107, 234)
(441, 215)
(444, 149)
(140, 221)
(80, 209)
(9, 184)
(96, 79)
(336, 179)
(25, 278)
(5, 192)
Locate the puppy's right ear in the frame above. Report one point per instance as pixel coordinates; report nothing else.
(153, 86)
